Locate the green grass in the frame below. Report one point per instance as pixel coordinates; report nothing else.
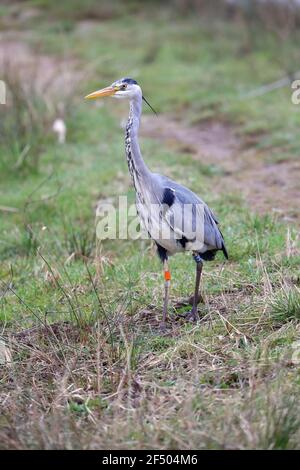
(89, 366)
(286, 304)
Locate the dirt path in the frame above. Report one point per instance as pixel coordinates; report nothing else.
(266, 187)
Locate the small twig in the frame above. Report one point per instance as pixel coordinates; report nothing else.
(8, 209)
(67, 297)
(264, 89)
(22, 157)
(100, 305)
(8, 287)
(226, 321)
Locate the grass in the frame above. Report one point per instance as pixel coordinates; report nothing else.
(89, 367)
(286, 304)
(22, 126)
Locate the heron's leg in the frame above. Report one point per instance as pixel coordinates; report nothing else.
(194, 312)
(199, 264)
(167, 275)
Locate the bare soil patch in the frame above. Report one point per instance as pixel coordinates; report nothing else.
(58, 76)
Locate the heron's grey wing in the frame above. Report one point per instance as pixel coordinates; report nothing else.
(189, 216)
(184, 217)
(212, 234)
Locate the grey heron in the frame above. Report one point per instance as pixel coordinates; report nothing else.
(191, 224)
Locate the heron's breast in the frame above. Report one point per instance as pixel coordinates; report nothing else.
(153, 223)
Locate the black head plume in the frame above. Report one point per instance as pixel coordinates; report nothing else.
(128, 80)
(147, 102)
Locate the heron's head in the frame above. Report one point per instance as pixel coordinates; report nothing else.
(123, 88)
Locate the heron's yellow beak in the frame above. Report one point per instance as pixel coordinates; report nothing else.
(108, 91)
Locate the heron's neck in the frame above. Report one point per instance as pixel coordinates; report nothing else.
(136, 164)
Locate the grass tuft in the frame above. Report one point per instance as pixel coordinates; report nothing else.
(24, 124)
(285, 305)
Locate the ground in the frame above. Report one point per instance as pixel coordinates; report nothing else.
(83, 363)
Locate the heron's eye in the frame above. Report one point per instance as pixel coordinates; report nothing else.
(124, 86)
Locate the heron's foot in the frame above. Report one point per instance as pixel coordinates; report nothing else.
(163, 327)
(192, 316)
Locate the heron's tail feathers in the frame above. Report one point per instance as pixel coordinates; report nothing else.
(210, 254)
(224, 250)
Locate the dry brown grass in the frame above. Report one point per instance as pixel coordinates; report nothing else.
(211, 385)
